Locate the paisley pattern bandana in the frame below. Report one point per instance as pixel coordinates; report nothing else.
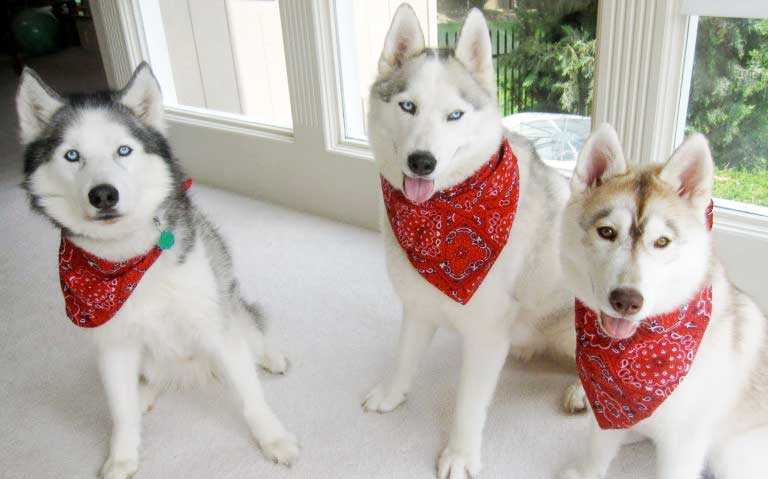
(627, 380)
(454, 238)
(95, 289)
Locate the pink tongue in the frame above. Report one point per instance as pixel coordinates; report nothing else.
(418, 190)
(617, 328)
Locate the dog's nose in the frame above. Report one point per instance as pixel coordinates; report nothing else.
(103, 196)
(626, 300)
(421, 162)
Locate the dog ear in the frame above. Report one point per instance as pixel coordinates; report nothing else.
(404, 39)
(600, 158)
(690, 171)
(143, 97)
(475, 52)
(35, 103)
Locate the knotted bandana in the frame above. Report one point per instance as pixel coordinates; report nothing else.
(627, 380)
(454, 238)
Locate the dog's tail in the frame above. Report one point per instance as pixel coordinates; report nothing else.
(742, 456)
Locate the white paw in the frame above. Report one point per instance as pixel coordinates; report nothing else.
(576, 473)
(455, 464)
(274, 362)
(119, 468)
(283, 450)
(574, 398)
(381, 400)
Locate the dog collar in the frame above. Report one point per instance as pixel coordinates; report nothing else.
(454, 238)
(95, 289)
(627, 380)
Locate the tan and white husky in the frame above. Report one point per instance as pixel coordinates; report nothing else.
(434, 121)
(644, 229)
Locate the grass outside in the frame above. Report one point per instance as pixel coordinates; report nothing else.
(742, 185)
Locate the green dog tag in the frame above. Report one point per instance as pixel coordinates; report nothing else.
(166, 240)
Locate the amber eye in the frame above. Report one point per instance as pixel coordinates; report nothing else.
(607, 233)
(662, 242)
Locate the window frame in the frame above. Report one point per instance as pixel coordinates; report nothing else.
(695, 9)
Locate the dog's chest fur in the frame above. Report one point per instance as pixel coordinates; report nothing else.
(173, 306)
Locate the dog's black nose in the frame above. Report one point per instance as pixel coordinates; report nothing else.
(421, 162)
(626, 300)
(103, 196)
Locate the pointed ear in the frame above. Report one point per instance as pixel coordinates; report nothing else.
(35, 103)
(142, 96)
(690, 171)
(404, 39)
(474, 50)
(600, 158)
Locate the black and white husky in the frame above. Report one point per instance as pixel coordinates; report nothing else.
(186, 320)
(434, 121)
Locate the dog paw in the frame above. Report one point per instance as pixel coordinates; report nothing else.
(274, 362)
(576, 473)
(574, 398)
(380, 400)
(457, 464)
(119, 468)
(283, 450)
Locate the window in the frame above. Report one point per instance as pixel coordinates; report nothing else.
(727, 100)
(247, 77)
(544, 56)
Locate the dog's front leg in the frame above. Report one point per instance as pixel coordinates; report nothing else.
(119, 367)
(415, 335)
(235, 360)
(484, 354)
(604, 444)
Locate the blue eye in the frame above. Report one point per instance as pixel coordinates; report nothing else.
(455, 115)
(408, 107)
(72, 155)
(124, 150)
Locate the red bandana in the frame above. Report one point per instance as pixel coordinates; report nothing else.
(627, 380)
(454, 238)
(95, 289)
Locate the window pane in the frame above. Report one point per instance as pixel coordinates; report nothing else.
(544, 54)
(221, 55)
(729, 103)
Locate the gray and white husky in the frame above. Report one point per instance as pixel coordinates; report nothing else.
(643, 230)
(186, 320)
(444, 103)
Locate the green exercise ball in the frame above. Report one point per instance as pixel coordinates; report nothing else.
(36, 31)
